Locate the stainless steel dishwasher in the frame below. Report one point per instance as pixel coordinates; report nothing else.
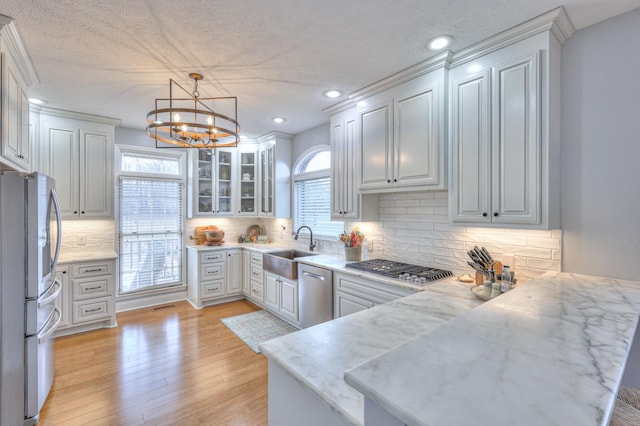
(315, 295)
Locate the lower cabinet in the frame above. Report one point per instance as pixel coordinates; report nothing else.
(256, 278)
(213, 276)
(281, 297)
(353, 294)
(87, 300)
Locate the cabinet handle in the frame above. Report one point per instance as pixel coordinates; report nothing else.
(388, 180)
(93, 288)
(495, 214)
(75, 212)
(485, 214)
(395, 180)
(82, 212)
(94, 270)
(92, 310)
(255, 291)
(64, 272)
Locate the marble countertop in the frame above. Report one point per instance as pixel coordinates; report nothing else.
(550, 352)
(85, 255)
(319, 356)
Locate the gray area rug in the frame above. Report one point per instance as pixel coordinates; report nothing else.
(257, 327)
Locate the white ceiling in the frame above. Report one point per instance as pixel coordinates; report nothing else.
(114, 57)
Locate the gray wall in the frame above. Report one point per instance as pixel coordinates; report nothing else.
(305, 140)
(128, 136)
(601, 149)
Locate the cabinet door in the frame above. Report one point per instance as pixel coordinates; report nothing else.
(248, 193)
(469, 195)
(347, 304)
(289, 299)
(12, 114)
(271, 291)
(203, 191)
(516, 142)
(267, 180)
(416, 139)
(246, 272)
(25, 134)
(376, 146)
(234, 272)
(96, 184)
(224, 183)
(63, 301)
(61, 154)
(338, 188)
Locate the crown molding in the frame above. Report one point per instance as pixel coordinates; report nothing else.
(269, 137)
(11, 37)
(78, 116)
(557, 21)
(436, 62)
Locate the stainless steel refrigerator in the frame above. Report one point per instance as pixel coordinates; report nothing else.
(30, 237)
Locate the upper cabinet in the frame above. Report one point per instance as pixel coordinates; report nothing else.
(346, 201)
(275, 175)
(77, 151)
(213, 180)
(504, 136)
(397, 126)
(402, 136)
(16, 74)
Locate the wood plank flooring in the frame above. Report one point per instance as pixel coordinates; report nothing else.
(170, 366)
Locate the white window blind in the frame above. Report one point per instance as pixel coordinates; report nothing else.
(313, 207)
(150, 233)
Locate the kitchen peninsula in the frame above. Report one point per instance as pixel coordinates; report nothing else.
(552, 351)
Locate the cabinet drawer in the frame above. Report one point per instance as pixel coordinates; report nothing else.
(256, 291)
(216, 257)
(93, 310)
(212, 271)
(87, 288)
(256, 273)
(212, 289)
(256, 259)
(93, 269)
(370, 290)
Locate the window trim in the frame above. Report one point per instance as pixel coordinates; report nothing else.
(303, 158)
(178, 154)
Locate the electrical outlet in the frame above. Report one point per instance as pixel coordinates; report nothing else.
(82, 240)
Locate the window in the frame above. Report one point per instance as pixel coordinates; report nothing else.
(150, 220)
(312, 194)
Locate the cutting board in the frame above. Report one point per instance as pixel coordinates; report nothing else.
(200, 235)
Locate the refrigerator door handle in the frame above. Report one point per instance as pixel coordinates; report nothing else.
(51, 294)
(49, 329)
(56, 204)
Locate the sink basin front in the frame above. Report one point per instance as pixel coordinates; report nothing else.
(282, 262)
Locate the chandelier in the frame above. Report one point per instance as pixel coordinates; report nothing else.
(191, 122)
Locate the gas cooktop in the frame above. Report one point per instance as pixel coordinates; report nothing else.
(413, 274)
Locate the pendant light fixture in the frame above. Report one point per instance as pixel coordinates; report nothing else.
(191, 122)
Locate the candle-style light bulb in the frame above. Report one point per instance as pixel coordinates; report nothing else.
(176, 117)
(209, 120)
(184, 127)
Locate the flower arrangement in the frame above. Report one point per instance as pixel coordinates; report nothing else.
(353, 239)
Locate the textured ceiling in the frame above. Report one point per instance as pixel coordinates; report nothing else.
(114, 57)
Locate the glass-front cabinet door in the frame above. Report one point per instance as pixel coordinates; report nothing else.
(214, 188)
(248, 187)
(267, 188)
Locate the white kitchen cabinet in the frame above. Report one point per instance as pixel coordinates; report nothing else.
(257, 281)
(402, 136)
(213, 182)
(213, 276)
(16, 75)
(346, 201)
(353, 294)
(275, 175)
(248, 176)
(281, 297)
(233, 278)
(78, 154)
(246, 272)
(87, 301)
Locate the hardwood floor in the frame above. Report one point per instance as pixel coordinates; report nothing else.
(168, 366)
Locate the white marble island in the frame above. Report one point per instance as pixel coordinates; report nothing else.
(551, 352)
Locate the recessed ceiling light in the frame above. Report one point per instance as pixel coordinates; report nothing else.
(333, 93)
(439, 42)
(37, 101)
(278, 120)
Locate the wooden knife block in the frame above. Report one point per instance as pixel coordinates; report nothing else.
(496, 267)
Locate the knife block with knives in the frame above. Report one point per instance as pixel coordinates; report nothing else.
(482, 263)
(497, 267)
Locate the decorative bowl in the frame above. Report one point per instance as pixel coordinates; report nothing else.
(215, 236)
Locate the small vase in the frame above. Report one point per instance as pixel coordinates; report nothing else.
(353, 254)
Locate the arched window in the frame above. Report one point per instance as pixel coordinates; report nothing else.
(312, 193)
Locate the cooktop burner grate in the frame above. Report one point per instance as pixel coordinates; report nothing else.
(414, 274)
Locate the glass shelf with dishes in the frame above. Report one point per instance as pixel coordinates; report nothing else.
(212, 191)
(248, 189)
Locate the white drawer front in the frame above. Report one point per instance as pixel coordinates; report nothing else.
(93, 269)
(256, 273)
(256, 291)
(212, 289)
(212, 271)
(216, 257)
(87, 288)
(256, 258)
(93, 310)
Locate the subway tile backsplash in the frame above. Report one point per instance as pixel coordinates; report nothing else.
(90, 234)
